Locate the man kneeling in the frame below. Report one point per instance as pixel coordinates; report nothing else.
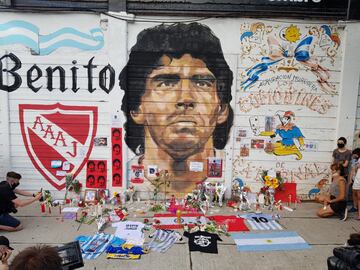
(9, 202)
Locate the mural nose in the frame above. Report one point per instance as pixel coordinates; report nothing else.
(185, 105)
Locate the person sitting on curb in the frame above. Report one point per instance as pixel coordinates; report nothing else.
(335, 202)
(5, 252)
(9, 202)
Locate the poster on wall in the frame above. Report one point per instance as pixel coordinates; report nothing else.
(137, 174)
(96, 174)
(116, 157)
(214, 167)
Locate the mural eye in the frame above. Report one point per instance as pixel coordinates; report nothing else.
(166, 83)
(203, 83)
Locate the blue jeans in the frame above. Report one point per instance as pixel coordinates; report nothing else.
(7, 220)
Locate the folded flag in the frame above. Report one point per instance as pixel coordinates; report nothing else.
(233, 223)
(172, 222)
(163, 240)
(269, 241)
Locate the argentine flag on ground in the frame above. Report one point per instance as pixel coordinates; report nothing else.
(269, 241)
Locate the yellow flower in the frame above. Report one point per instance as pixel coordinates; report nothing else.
(268, 183)
(267, 178)
(275, 181)
(275, 185)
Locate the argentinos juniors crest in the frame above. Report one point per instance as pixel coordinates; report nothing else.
(58, 132)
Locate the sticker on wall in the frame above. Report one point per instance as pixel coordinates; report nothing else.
(257, 144)
(137, 174)
(31, 36)
(58, 132)
(152, 170)
(311, 146)
(240, 133)
(100, 141)
(244, 150)
(214, 167)
(66, 166)
(269, 123)
(196, 166)
(96, 174)
(116, 157)
(56, 164)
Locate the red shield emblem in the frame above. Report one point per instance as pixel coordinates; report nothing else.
(54, 133)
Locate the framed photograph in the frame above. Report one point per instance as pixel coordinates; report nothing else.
(103, 194)
(90, 195)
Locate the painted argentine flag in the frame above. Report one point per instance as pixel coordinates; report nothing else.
(269, 241)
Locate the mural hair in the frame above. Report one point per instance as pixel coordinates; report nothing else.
(173, 41)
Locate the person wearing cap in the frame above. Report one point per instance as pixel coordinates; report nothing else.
(9, 202)
(5, 252)
(288, 132)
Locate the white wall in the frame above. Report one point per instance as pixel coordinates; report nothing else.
(322, 117)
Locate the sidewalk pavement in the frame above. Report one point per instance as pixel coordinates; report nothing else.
(322, 234)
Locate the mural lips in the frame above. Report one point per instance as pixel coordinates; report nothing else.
(58, 132)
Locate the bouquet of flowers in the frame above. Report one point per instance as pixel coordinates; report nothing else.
(72, 184)
(272, 180)
(48, 200)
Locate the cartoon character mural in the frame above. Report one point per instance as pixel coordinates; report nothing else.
(292, 139)
(288, 132)
(180, 111)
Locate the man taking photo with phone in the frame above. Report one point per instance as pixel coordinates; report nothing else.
(9, 202)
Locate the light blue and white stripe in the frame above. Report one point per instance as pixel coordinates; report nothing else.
(269, 241)
(264, 226)
(163, 240)
(104, 239)
(28, 34)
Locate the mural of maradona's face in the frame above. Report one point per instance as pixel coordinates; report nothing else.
(180, 107)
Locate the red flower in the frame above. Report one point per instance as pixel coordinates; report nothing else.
(146, 220)
(71, 188)
(157, 174)
(157, 221)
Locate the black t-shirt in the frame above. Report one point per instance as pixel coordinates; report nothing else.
(7, 195)
(203, 241)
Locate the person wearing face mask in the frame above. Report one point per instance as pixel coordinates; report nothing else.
(342, 155)
(354, 179)
(9, 202)
(335, 202)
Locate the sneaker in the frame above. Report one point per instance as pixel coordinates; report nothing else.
(345, 215)
(352, 210)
